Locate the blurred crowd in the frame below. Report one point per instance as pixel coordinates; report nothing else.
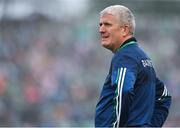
(51, 72)
(42, 81)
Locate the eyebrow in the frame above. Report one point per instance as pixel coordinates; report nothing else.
(105, 23)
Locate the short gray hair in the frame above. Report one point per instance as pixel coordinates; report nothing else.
(124, 15)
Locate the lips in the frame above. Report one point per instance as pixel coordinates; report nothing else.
(104, 36)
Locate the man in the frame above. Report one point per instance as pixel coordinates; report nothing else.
(132, 95)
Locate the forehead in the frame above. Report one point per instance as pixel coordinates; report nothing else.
(107, 17)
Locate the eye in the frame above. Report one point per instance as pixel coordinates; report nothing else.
(100, 24)
(107, 24)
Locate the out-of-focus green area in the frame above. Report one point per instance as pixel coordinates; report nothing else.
(52, 66)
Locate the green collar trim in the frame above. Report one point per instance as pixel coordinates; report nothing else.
(132, 42)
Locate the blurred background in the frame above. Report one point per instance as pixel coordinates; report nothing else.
(52, 66)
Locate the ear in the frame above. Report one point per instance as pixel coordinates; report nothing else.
(125, 31)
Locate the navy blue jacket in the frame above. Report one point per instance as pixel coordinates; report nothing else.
(132, 95)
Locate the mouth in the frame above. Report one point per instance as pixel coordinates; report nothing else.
(103, 37)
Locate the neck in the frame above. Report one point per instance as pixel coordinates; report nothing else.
(126, 38)
(122, 42)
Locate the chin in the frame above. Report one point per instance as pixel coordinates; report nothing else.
(106, 45)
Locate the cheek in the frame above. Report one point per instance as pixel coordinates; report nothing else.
(113, 37)
(116, 36)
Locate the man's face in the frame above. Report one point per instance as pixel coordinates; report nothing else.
(110, 31)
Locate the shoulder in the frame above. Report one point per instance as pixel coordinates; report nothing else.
(128, 53)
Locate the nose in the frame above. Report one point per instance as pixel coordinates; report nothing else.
(102, 29)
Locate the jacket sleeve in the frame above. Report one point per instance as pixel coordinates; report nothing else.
(162, 104)
(124, 73)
